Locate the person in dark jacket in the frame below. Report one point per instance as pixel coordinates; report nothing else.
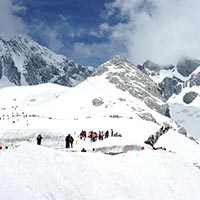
(107, 134)
(150, 140)
(39, 139)
(69, 141)
(83, 150)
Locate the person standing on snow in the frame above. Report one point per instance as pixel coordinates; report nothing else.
(69, 141)
(39, 139)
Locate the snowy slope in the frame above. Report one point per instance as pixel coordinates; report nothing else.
(25, 111)
(34, 172)
(52, 172)
(188, 115)
(185, 107)
(95, 98)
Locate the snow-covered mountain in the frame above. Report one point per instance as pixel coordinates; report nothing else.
(117, 88)
(25, 62)
(117, 96)
(125, 76)
(173, 79)
(180, 86)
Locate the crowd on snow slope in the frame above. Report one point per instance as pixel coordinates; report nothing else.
(101, 135)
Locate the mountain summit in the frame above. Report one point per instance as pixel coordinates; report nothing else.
(25, 62)
(127, 77)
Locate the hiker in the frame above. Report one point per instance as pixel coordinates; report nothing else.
(150, 140)
(93, 136)
(165, 127)
(112, 132)
(69, 141)
(107, 134)
(157, 136)
(83, 135)
(39, 139)
(159, 148)
(83, 150)
(100, 135)
(117, 134)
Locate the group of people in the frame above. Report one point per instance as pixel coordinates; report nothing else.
(69, 140)
(101, 135)
(153, 138)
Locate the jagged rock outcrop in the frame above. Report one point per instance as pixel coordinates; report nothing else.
(189, 97)
(152, 69)
(24, 62)
(194, 80)
(172, 79)
(125, 76)
(186, 66)
(170, 86)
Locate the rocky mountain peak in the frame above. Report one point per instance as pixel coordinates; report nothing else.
(151, 66)
(127, 77)
(25, 62)
(172, 79)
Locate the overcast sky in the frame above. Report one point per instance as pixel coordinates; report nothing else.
(92, 31)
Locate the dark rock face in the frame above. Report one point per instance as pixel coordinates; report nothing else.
(195, 80)
(187, 65)
(190, 97)
(11, 72)
(1, 69)
(170, 86)
(23, 61)
(151, 66)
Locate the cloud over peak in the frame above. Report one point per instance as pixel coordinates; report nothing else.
(10, 23)
(161, 31)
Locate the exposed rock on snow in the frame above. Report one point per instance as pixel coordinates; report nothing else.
(97, 102)
(170, 86)
(195, 79)
(190, 97)
(125, 76)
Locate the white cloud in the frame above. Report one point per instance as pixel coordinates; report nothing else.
(11, 24)
(161, 31)
(50, 35)
(54, 42)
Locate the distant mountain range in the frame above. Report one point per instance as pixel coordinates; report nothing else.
(180, 87)
(25, 62)
(160, 87)
(133, 102)
(173, 79)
